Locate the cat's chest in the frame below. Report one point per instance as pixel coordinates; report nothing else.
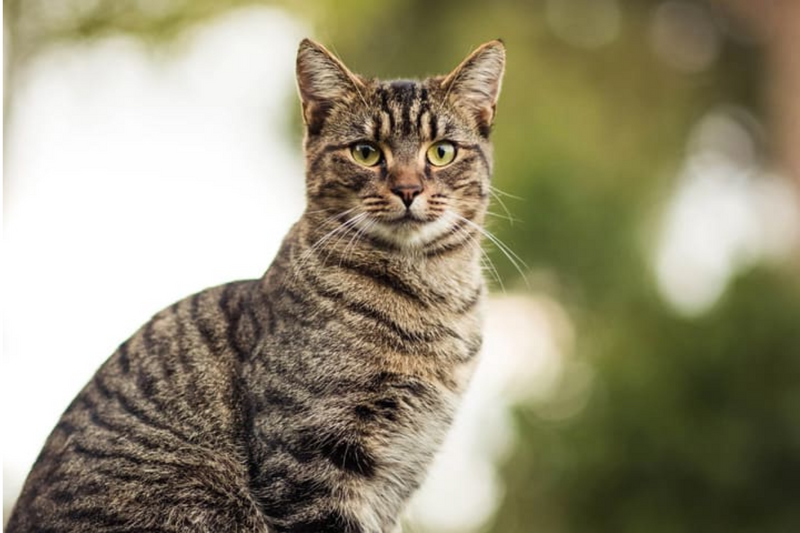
(358, 392)
(404, 429)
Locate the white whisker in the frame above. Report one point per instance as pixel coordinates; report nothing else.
(496, 196)
(345, 229)
(506, 194)
(486, 260)
(351, 246)
(515, 259)
(510, 218)
(341, 228)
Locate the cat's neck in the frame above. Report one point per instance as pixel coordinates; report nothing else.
(313, 245)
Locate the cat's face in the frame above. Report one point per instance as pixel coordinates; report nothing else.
(406, 162)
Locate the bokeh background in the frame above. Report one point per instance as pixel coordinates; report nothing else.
(641, 371)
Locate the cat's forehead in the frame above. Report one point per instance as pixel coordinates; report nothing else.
(401, 92)
(407, 109)
(403, 86)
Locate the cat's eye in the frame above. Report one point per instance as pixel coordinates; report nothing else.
(441, 153)
(366, 154)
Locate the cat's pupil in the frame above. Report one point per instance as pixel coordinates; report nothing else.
(366, 151)
(441, 151)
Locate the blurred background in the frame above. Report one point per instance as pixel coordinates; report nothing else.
(641, 370)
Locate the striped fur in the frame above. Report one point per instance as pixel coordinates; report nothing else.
(313, 399)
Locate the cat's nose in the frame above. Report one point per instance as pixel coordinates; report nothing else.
(407, 192)
(406, 184)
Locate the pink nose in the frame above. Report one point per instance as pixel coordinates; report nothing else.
(407, 192)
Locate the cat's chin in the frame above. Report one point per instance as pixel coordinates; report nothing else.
(410, 232)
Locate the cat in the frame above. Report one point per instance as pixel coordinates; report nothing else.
(313, 399)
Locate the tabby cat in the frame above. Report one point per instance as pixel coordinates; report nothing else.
(313, 399)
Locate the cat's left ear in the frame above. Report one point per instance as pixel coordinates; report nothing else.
(475, 83)
(322, 81)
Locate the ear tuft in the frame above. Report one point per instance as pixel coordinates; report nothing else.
(322, 80)
(475, 83)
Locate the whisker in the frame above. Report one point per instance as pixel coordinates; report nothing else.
(353, 239)
(496, 196)
(486, 260)
(510, 218)
(487, 264)
(513, 258)
(334, 216)
(351, 246)
(506, 194)
(344, 227)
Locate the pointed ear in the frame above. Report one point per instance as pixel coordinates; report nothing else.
(475, 84)
(322, 81)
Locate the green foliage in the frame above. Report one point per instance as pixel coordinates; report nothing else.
(692, 424)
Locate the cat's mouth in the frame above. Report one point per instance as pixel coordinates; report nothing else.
(410, 229)
(409, 218)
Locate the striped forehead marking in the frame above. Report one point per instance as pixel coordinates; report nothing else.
(404, 108)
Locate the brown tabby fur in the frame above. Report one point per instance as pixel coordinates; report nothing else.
(311, 400)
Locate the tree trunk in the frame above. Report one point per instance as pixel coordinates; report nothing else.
(776, 25)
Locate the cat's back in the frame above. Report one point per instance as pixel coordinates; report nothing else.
(159, 426)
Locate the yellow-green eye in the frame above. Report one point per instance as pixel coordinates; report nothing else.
(366, 154)
(441, 153)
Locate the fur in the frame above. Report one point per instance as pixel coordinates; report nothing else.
(312, 399)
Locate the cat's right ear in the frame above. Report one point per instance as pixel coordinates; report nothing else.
(322, 80)
(475, 84)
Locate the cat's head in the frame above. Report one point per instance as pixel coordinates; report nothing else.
(405, 162)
